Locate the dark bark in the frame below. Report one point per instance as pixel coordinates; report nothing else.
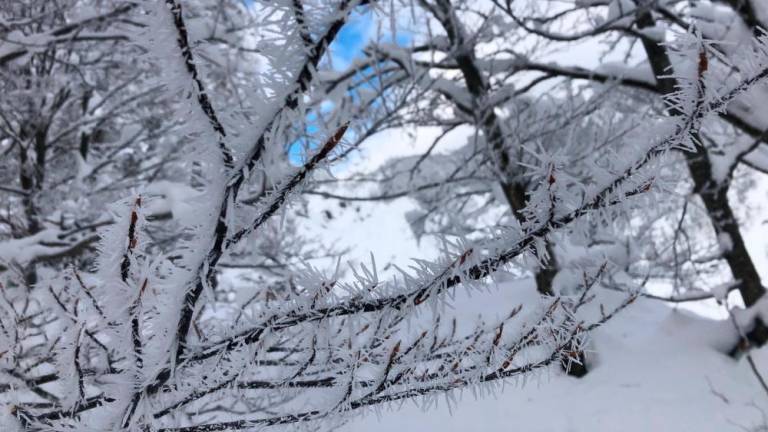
(30, 179)
(513, 188)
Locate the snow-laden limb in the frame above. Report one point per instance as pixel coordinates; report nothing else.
(414, 369)
(157, 272)
(430, 283)
(125, 348)
(631, 182)
(223, 237)
(167, 200)
(44, 245)
(203, 102)
(454, 187)
(19, 45)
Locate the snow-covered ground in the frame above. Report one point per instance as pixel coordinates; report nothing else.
(654, 368)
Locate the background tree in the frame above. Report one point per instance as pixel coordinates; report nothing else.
(77, 128)
(494, 71)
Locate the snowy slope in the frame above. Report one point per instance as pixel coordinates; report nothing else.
(654, 368)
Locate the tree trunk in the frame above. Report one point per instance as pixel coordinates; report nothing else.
(488, 122)
(714, 195)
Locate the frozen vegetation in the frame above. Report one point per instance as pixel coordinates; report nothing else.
(408, 215)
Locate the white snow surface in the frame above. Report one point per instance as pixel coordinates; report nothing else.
(653, 368)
